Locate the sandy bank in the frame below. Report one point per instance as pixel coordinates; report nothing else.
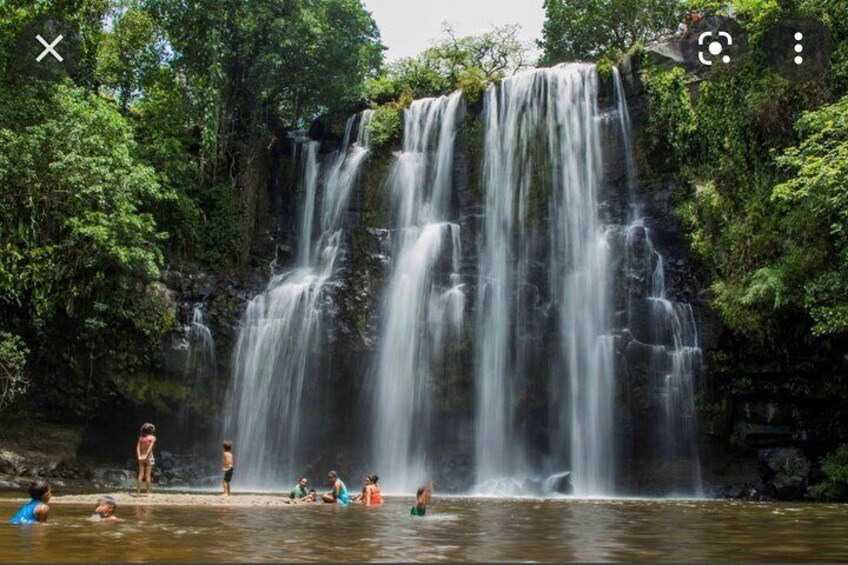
(178, 499)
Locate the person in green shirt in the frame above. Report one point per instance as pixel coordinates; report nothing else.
(301, 492)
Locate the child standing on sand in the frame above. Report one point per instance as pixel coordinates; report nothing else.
(36, 509)
(144, 451)
(228, 466)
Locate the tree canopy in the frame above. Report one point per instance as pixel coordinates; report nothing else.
(586, 29)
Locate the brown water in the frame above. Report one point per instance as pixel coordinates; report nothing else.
(455, 529)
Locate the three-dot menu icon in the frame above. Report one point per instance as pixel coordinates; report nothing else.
(799, 48)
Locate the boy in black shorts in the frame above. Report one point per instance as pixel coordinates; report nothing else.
(228, 466)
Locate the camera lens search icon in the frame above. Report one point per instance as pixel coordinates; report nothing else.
(716, 43)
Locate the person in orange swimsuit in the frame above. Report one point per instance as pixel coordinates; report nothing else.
(371, 494)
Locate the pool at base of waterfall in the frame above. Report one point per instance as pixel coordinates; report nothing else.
(454, 529)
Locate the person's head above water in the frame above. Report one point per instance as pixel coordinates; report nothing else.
(227, 445)
(303, 482)
(40, 491)
(332, 476)
(148, 429)
(106, 507)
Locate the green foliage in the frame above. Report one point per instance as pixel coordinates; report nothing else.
(219, 233)
(79, 250)
(672, 116)
(814, 201)
(387, 123)
(83, 21)
(469, 63)
(13, 358)
(166, 142)
(765, 217)
(587, 29)
(130, 53)
(835, 468)
(298, 58)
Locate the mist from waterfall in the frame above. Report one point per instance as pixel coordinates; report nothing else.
(674, 350)
(275, 359)
(543, 141)
(422, 305)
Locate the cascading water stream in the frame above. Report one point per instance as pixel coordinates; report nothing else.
(201, 364)
(675, 354)
(275, 354)
(543, 142)
(422, 306)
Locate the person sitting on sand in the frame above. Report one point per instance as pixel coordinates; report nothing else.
(144, 452)
(105, 510)
(339, 493)
(370, 495)
(422, 498)
(228, 466)
(36, 509)
(300, 493)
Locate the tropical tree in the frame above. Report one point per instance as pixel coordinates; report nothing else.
(587, 29)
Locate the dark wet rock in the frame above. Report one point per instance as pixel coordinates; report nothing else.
(787, 471)
(560, 483)
(533, 486)
(166, 460)
(761, 435)
(766, 412)
(738, 492)
(667, 54)
(110, 476)
(11, 463)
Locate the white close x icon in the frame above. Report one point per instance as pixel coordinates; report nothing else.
(49, 48)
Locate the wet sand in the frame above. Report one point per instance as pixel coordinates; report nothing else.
(178, 499)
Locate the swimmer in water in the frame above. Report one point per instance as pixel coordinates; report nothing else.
(371, 494)
(105, 511)
(422, 498)
(36, 509)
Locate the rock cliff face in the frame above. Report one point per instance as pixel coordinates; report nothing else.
(749, 445)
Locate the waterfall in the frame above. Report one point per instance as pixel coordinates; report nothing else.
(543, 142)
(201, 364)
(675, 355)
(201, 361)
(422, 304)
(274, 362)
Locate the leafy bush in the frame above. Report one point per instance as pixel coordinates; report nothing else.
(79, 246)
(220, 229)
(387, 123)
(814, 201)
(672, 117)
(835, 467)
(13, 358)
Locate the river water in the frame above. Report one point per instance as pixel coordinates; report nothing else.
(455, 529)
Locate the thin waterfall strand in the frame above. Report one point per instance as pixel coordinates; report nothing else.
(421, 305)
